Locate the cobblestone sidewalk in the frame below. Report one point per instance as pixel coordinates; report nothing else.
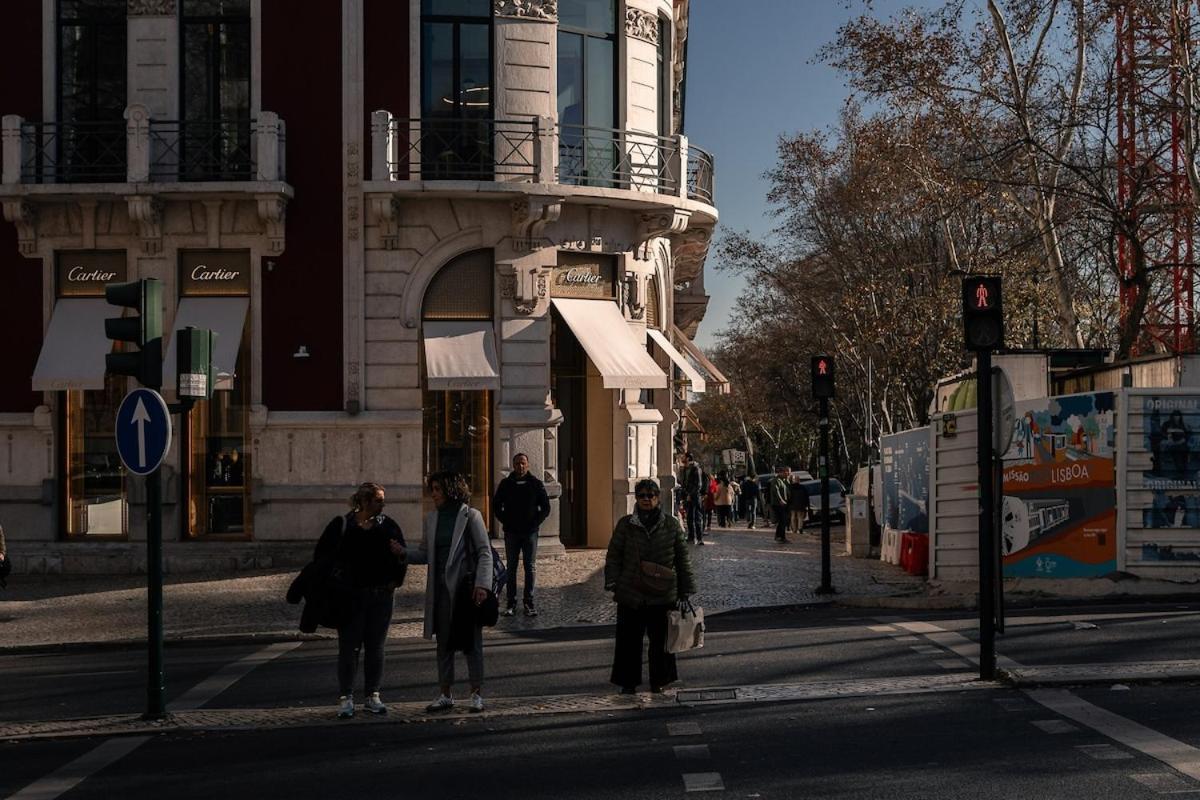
(736, 569)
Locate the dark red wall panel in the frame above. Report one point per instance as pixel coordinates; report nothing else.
(302, 294)
(385, 63)
(21, 312)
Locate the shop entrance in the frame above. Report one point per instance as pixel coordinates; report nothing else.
(568, 380)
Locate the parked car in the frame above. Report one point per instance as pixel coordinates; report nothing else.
(837, 502)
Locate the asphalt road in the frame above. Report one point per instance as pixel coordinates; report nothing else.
(981, 742)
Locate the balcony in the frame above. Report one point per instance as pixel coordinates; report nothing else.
(145, 163)
(537, 157)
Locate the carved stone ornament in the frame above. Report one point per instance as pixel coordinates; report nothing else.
(385, 213)
(527, 9)
(635, 298)
(641, 25)
(525, 287)
(146, 213)
(23, 215)
(659, 224)
(272, 212)
(531, 215)
(150, 8)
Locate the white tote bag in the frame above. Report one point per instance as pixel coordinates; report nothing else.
(685, 628)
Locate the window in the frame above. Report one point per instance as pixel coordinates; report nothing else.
(95, 477)
(665, 128)
(456, 426)
(652, 316)
(215, 102)
(456, 89)
(587, 112)
(89, 143)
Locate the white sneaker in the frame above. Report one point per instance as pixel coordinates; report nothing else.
(345, 706)
(443, 703)
(374, 705)
(476, 702)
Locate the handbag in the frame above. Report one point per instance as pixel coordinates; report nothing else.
(652, 578)
(685, 628)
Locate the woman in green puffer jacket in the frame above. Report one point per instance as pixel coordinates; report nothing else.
(651, 535)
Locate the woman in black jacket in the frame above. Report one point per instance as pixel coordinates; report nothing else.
(367, 549)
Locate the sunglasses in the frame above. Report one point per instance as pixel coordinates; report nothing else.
(645, 496)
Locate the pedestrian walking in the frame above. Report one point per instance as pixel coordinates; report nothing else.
(710, 501)
(693, 491)
(750, 494)
(724, 500)
(797, 504)
(778, 498)
(454, 545)
(522, 505)
(735, 508)
(366, 549)
(649, 571)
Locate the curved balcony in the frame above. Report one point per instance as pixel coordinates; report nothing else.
(535, 156)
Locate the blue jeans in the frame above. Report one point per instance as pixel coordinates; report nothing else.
(523, 547)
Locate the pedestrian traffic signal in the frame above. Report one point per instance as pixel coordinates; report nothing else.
(983, 312)
(822, 376)
(143, 331)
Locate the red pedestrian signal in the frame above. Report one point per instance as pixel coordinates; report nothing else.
(822, 377)
(983, 312)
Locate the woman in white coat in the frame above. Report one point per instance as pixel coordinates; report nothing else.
(454, 543)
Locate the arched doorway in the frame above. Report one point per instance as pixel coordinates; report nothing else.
(460, 373)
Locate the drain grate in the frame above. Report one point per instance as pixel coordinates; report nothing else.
(705, 696)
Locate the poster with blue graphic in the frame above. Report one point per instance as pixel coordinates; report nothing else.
(1171, 435)
(905, 484)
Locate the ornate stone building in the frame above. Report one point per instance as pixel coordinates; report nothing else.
(428, 233)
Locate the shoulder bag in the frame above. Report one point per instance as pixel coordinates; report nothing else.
(652, 578)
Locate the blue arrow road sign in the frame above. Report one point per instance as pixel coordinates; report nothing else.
(143, 431)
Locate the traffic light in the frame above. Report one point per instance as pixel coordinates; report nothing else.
(822, 376)
(983, 312)
(193, 373)
(144, 331)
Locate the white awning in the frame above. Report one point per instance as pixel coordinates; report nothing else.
(602, 330)
(691, 372)
(224, 316)
(715, 374)
(461, 355)
(73, 352)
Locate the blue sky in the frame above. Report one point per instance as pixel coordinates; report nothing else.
(752, 75)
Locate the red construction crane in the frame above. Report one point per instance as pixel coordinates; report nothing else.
(1152, 184)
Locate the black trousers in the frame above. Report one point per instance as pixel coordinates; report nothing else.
(781, 521)
(633, 625)
(368, 616)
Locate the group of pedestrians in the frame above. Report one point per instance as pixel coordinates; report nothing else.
(362, 557)
(701, 494)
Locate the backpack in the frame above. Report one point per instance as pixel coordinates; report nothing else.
(499, 573)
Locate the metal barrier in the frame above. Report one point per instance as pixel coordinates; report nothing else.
(618, 159)
(202, 150)
(463, 149)
(73, 152)
(701, 173)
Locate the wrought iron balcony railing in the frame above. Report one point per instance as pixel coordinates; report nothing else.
(462, 149)
(700, 175)
(139, 149)
(537, 151)
(202, 150)
(72, 152)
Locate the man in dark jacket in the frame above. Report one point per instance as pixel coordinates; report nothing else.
(750, 493)
(777, 496)
(522, 505)
(693, 491)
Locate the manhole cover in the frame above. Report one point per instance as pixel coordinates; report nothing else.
(705, 695)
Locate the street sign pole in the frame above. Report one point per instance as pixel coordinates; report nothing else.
(826, 586)
(987, 531)
(156, 678)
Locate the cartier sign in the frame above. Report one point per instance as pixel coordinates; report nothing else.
(584, 275)
(84, 273)
(214, 272)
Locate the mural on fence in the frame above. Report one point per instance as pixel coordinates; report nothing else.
(905, 484)
(1059, 507)
(1171, 434)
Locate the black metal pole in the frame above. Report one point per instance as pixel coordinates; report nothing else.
(987, 531)
(826, 586)
(156, 681)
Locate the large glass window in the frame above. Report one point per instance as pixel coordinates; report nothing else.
(94, 476)
(218, 457)
(215, 134)
(456, 89)
(587, 113)
(457, 425)
(88, 141)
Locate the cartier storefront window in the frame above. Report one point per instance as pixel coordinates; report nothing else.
(214, 294)
(95, 503)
